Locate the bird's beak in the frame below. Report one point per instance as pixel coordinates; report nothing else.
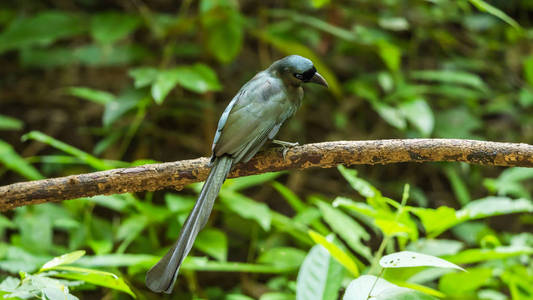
(317, 78)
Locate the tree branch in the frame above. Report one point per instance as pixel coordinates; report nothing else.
(325, 155)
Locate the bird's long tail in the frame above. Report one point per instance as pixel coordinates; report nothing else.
(161, 277)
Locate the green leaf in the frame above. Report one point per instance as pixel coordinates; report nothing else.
(117, 260)
(9, 123)
(436, 221)
(528, 69)
(419, 114)
(457, 123)
(391, 115)
(371, 287)
(362, 186)
(484, 6)
(247, 208)
(494, 206)
(224, 30)
(478, 255)
(213, 242)
(340, 255)
(436, 247)
(202, 264)
(241, 183)
(11, 160)
(283, 257)
(98, 278)
(125, 102)
(198, 78)
(294, 201)
(83, 156)
(405, 259)
(319, 277)
(42, 29)
(451, 76)
(347, 228)
(96, 96)
(319, 4)
(391, 55)
(143, 76)
(64, 259)
(108, 27)
(464, 283)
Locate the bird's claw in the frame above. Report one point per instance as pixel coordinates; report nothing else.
(286, 146)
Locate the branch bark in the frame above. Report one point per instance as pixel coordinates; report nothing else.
(177, 174)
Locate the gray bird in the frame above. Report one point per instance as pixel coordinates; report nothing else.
(253, 117)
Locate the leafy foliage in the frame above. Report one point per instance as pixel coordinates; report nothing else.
(92, 85)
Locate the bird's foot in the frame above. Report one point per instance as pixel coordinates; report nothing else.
(286, 146)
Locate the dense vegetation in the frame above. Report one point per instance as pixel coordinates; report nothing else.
(90, 85)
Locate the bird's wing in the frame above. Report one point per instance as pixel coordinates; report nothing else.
(255, 115)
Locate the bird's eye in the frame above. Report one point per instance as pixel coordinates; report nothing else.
(298, 76)
(307, 75)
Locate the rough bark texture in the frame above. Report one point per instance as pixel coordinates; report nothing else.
(325, 155)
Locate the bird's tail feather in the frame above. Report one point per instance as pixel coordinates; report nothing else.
(161, 277)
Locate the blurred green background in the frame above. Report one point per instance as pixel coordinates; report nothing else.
(90, 85)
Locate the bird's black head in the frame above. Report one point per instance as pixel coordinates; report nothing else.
(296, 70)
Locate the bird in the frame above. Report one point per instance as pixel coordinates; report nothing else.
(253, 117)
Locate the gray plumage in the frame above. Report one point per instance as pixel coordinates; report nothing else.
(253, 117)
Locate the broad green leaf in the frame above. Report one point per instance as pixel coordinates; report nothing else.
(319, 4)
(419, 114)
(130, 229)
(213, 242)
(11, 160)
(526, 94)
(64, 259)
(405, 259)
(224, 30)
(198, 78)
(241, 183)
(436, 221)
(347, 228)
(83, 156)
(391, 55)
(117, 202)
(470, 256)
(179, 203)
(494, 206)
(276, 296)
(294, 201)
(320, 276)
(391, 115)
(106, 55)
(100, 97)
(371, 287)
(97, 278)
(202, 264)
(457, 123)
(125, 102)
(484, 6)
(41, 29)
(528, 70)
(362, 186)
(117, 260)
(286, 257)
(510, 182)
(451, 76)
(108, 27)
(435, 247)
(9, 123)
(143, 76)
(247, 208)
(464, 283)
(340, 255)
